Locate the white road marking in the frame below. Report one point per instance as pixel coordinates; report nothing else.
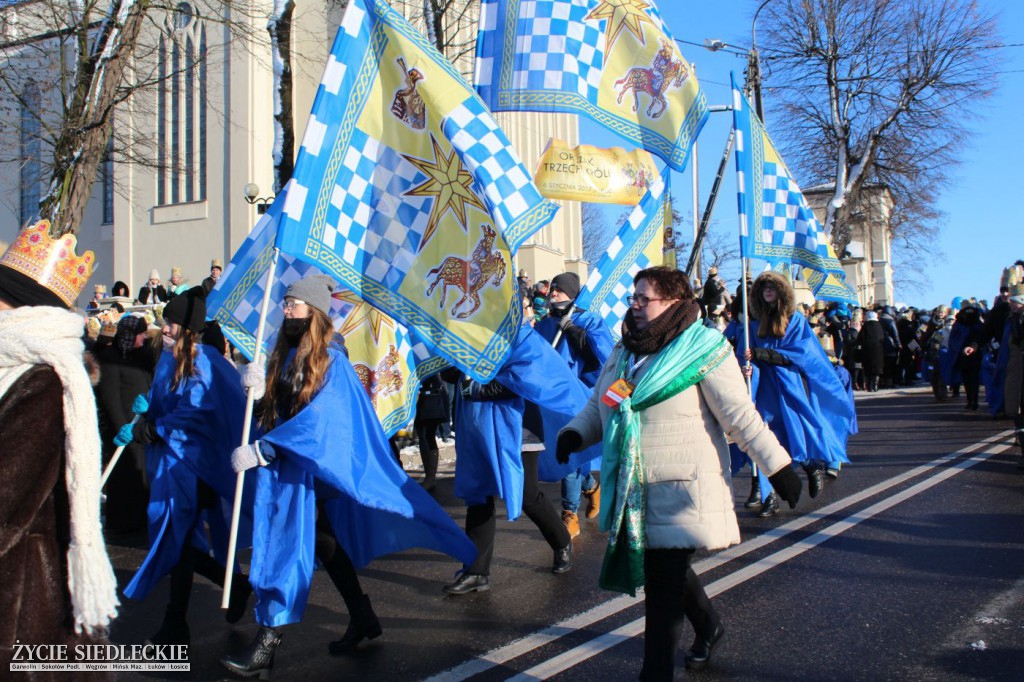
(525, 645)
(573, 657)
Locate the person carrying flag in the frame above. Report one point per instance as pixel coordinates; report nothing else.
(314, 497)
(583, 340)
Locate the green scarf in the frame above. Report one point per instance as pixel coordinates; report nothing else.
(682, 363)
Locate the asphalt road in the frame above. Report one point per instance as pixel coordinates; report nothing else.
(909, 567)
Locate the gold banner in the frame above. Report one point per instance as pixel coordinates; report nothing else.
(594, 174)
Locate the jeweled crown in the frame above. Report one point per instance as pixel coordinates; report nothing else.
(52, 263)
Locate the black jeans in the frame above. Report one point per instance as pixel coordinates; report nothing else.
(480, 523)
(673, 595)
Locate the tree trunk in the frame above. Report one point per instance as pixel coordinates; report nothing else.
(82, 142)
(280, 29)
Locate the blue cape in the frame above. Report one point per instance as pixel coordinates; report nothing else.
(598, 336)
(199, 424)
(804, 403)
(489, 434)
(601, 344)
(336, 444)
(993, 373)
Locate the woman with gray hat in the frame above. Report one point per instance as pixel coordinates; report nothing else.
(328, 487)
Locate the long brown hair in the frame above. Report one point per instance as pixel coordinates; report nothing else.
(306, 372)
(772, 319)
(185, 351)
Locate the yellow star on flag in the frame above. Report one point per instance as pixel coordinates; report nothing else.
(621, 14)
(450, 183)
(362, 313)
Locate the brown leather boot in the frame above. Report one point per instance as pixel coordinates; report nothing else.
(593, 500)
(572, 523)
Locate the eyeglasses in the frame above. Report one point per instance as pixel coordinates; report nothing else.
(293, 303)
(641, 301)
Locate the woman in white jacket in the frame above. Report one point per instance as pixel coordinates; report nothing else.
(663, 405)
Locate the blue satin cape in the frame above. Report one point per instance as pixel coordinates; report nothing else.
(489, 434)
(199, 424)
(336, 445)
(601, 343)
(804, 403)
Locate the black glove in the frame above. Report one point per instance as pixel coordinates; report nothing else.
(568, 442)
(564, 321)
(144, 432)
(787, 484)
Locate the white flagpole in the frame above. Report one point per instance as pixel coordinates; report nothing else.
(113, 460)
(236, 511)
(746, 342)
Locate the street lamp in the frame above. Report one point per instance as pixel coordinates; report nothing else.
(754, 64)
(252, 196)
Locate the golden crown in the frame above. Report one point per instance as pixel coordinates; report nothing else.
(52, 263)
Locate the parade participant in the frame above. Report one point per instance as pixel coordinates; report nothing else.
(193, 421)
(433, 408)
(584, 342)
(177, 285)
(1013, 396)
(216, 268)
(152, 292)
(57, 586)
(871, 342)
(327, 484)
(505, 432)
(126, 371)
(99, 292)
(962, 362)
(665, 401)
(798, 393)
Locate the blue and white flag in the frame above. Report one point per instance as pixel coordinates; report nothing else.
(638, 245)
(612, 60)
(407, 191)
(389, 360)
(776, 223)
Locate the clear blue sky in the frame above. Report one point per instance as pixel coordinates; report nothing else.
(983, 228)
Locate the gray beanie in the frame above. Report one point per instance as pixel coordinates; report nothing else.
(315, 290)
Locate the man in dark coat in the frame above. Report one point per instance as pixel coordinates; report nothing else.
(871, 342)
(126, 371)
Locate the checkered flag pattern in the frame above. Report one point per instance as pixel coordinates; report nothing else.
(612, 280)
(559, 51)
(236, 300)
(550, 55)
(506, 186)
(776, 223)
(375, 232)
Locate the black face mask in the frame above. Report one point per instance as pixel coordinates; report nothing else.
(559, 308)
(294, 328)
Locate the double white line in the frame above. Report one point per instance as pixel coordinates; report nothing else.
(577, 655)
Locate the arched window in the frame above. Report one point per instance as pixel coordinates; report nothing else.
(181, 109)
(31, 147)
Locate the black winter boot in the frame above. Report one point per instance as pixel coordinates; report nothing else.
(754, 500)
(258, 658)
(430, 458)
(362, 624)
(770, 506)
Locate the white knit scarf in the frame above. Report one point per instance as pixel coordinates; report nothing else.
(51, 336)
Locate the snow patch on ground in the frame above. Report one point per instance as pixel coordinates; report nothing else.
(989, 620)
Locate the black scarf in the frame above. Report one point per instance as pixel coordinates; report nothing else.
(661, 330)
